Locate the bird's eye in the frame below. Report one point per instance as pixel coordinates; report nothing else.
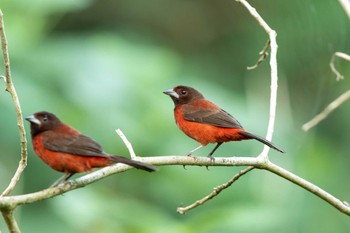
(183, 92)
(45, 118)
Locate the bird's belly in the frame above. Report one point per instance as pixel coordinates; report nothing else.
(205, 133)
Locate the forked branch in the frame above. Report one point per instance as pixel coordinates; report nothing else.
(274, 73)
(335, 103)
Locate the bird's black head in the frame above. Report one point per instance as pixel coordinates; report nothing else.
(183, 95)
(42, 121)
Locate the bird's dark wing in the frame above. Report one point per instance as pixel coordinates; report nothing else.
(72, 144)
(211, 115)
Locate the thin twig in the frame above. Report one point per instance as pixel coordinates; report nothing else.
(274, 77)
(11, 89)
(127, 143)
(335, 103)
(330, 108)
(331, 63)
(11, 221)
(263, 55)
(215, 192)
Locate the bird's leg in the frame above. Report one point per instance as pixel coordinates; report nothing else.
(210, 155)
(195, 149)
(190, 153)
(65, 177)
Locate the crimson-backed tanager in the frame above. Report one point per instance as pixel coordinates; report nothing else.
(206, 122)
(66, 150)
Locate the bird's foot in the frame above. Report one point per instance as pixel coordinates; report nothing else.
(212, 160)
(211, 157)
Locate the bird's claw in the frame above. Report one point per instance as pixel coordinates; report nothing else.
(212, 160)
(211, 157)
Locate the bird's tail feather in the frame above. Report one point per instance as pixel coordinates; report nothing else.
(133, 163)
(260, 139)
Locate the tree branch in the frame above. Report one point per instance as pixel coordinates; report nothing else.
(345, 96)
(127, 143)
(11, 89)
(335, 103)
(10, 221)
(216, 191)
(274, 78)
(330, 108)
(263, 55)
(11, 202)
(331, 63)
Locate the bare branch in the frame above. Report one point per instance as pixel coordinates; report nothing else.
(127, 143)
(330, 108)
(10, 221)
(11, 89)
(11, 202)
(263, 55)
(331, 63)
(274, 77)
(215, 192)
(334, 104)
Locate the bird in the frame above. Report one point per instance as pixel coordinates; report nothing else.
(66, 150)
(206, 122)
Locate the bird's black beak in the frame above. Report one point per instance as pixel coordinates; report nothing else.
(32, 119)
(172, 93)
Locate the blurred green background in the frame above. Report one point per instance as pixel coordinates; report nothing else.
(102, 65)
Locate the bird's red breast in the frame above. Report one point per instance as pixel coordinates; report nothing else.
(204, 132)
(64, 162)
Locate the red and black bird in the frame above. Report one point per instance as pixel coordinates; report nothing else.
(206, 122)
(66, 150)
